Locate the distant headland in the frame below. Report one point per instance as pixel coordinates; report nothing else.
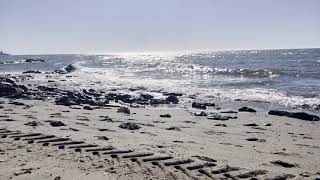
(2, 53)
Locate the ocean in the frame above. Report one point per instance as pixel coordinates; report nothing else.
(287, 78)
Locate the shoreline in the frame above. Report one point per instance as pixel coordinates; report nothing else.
(255, 144)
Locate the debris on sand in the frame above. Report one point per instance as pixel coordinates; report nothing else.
(130, 126)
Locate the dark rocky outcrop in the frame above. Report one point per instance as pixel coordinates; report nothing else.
(123, 110)
(246, 109)
(8, 87)
(198, 105)
(129, 126)
(297, 115)
(31, 72)
(172, 99)
(78, 98)
(70, 68)
(34, 60)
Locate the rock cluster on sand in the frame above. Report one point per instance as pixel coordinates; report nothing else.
(130, 126)
(78, 98)
(297, 115)
(8, 88)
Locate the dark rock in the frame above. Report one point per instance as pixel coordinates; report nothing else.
(56, 123)
(297, 115)
(70, 68)
(198, 105)
(251, 124)
(165, 115)
(256, 139)
(34, 60)
(173, 128)
(126, 98)
(31, 71)
(246, 109)
(130, 126)
(172, 99)
(123, 110)
(87, 108)
(268, 124)
(283, 164)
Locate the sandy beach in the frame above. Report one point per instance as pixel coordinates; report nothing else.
(160, 143)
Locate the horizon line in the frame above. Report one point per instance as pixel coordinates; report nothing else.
(165, 52)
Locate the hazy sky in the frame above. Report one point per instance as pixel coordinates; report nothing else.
(102, 26)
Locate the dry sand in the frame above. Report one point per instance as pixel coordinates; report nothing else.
(247, 151)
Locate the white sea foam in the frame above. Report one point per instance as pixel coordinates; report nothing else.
(102, 79)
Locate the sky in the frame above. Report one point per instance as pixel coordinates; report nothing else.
(103, 26)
